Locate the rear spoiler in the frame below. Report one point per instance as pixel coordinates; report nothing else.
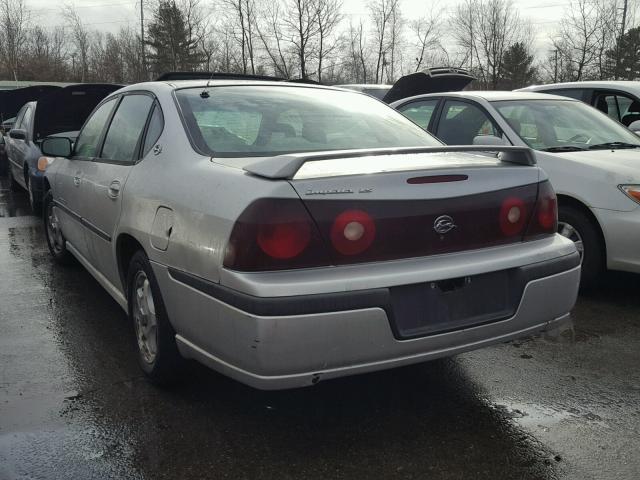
(286, 166)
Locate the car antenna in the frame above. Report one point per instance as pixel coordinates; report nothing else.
(205, 93)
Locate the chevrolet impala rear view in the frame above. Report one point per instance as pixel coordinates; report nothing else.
(286, 234)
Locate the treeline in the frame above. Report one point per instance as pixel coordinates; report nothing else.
(594, 39)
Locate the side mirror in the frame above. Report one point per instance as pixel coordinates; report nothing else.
(56, 147)
(490, 140)
(635, 127)
(18, 134)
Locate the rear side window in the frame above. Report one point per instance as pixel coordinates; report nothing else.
(156, 124)
(122, 140)
(87, 144)
(419, 112)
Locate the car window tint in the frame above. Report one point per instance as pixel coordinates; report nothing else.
(156, 124)
(577, 93)
(461, 122)
(419, 112)
(121, 141)
(87, 142)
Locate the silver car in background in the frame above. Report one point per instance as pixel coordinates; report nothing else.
(284, 234)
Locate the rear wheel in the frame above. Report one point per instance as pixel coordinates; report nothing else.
(53, 233)
(158, 354)
(577, 226)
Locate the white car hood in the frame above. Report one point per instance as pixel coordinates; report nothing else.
(623, 162)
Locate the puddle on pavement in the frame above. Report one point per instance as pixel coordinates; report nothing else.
(12, 204)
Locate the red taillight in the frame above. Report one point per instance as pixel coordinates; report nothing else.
(352, 232)
(545, 218)
(274, 234)
(513, 216)
(284, 239)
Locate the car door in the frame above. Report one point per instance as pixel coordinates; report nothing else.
(70, 187)
(106, 180)
(16, 149)
(460, 121)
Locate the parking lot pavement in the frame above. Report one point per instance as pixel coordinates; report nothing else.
(73, 403)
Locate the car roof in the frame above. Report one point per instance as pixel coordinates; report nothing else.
(619, 84)
(489, 95)
(177, 84)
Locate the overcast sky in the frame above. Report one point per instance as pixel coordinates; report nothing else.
(110, 15)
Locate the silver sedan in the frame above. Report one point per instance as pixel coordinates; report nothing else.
(285, 234)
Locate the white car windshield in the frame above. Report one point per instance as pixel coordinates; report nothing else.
(242, 121)
(564, 125)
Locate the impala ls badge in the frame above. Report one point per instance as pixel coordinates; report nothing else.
(443, 224)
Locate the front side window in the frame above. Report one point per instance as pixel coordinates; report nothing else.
(243, 121)
(87, 142)
(419, 112)
(461, 122)
(121, 141)
(564, 125)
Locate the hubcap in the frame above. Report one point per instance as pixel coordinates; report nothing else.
(144, 317)
(53, 226)
(567, 230)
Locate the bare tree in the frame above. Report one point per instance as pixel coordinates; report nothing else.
(356, 64)
(427, 31)
(242, 15)
(301, 25)
(273, 40)
(381, 13)
(578, 38)
(328, 18)
(485, 29)
(14, 22)
(80, 37)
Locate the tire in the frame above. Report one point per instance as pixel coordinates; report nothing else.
(593, 254)
(36, 203)
(158, 354)
(15, 186)
(55, 238)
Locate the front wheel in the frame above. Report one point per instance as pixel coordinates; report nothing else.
(53, 233)
(158, 354)
(577, 226)
(34, 199)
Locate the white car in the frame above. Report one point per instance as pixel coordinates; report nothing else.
(620, 99)
(592, 161)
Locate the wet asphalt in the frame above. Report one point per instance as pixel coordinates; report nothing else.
(73, 404)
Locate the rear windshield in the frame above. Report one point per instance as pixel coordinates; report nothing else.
(242, 121)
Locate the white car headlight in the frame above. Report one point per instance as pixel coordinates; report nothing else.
(631, 191)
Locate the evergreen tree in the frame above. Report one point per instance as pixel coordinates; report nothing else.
(629, 50)
(517, 67)
(172, 46)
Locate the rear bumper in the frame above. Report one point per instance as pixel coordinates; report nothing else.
(290, 342)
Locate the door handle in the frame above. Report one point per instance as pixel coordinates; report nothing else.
(76, 180)
(114, 189)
